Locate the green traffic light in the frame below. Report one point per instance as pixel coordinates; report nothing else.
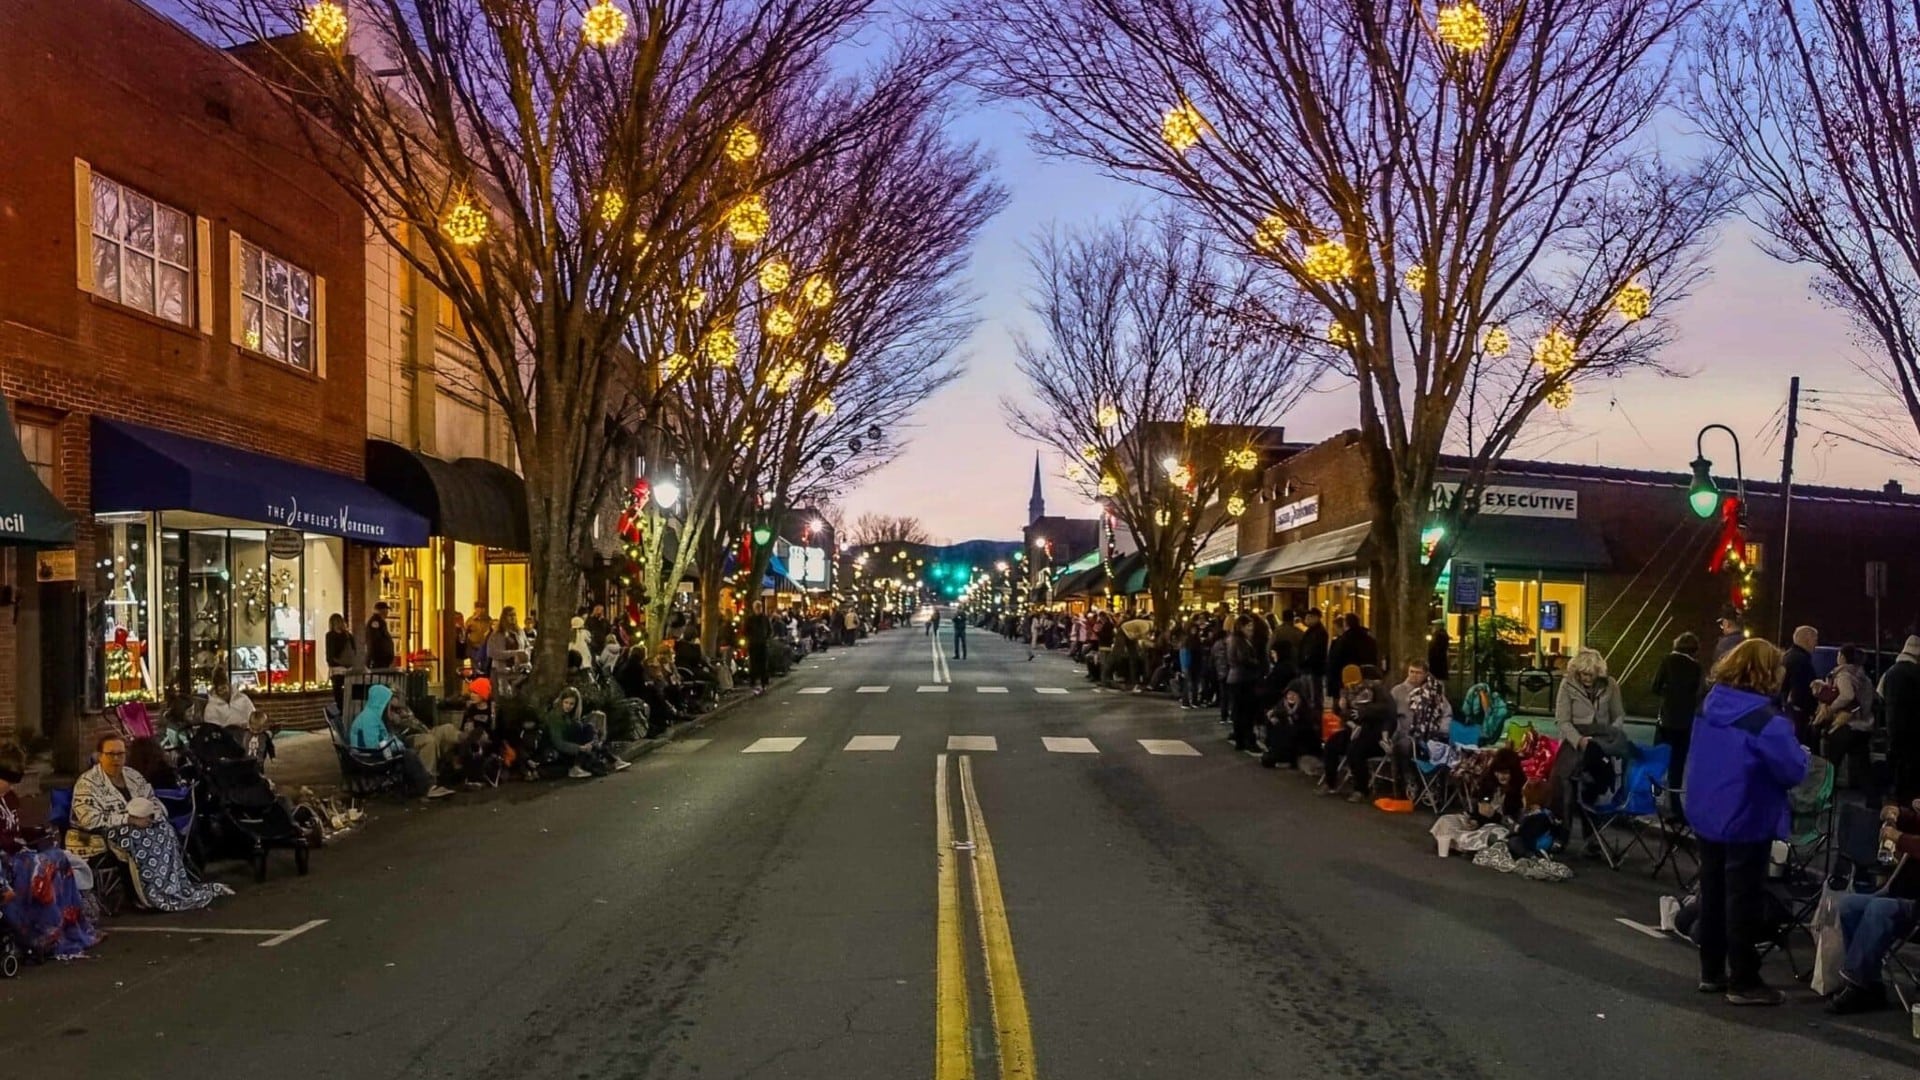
(1703, 495)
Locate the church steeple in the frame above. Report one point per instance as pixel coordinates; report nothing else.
(1036, 506)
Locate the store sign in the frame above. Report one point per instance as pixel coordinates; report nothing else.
(285, 543)
(1295, 514)
(339, 522)
(1464, 586)
(809, 565)
(1518, 501)
(54, 565)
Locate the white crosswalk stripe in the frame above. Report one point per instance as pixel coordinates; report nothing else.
(1050, 690)
(941, 689)
(1060, 744)
(990, 689)
(873, 742)
(816, 689)
(775, 744)
(1169, 747)
(972, 742)
(873, 690)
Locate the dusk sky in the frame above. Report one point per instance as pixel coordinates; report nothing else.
(1744, 333)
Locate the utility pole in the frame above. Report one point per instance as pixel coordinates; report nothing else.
(1786, 495)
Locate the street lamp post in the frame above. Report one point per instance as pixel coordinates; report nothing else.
(1704, 495)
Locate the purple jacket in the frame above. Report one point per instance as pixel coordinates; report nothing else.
(1744, 761)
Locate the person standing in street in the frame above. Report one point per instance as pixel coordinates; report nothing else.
(1798, 691)
(759, 632)
(1243, 671)
(851, 627)
(1678, 682)
(1035, 625)
(1313, 657)
(380, 652)
(1744, 762)
(1731, 633)
(959, 634)
(1438, 647)
(933, 624)
(1900, 703)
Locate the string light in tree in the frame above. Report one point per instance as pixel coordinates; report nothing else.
(1107, 415)
(464, 224)
(1633, 302)
(1182, 127)
(781, 321)
(823, 408)
(1416, 278)
(612, 205)
(1560, 395)
(775, 275)
(1109, 486)
(1090, 454)
(1076, 474)
(1554, 351)
(834, 353)
(722, 346)
(1196, 416)
(326, 23)
(675, 365)
(1463, 27)
(1328, 260)
(604, 25)
(785, 376)
(1338, 333)
(1162, 518)
(693, 298)
(742, 145)
(817, 291)
(1243, 460)
(1496, 342)
(748, 220)
(1271, 234)
(1181, 475)
(1236, 505)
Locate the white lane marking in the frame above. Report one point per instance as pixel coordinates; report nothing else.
(990, 689)
(972, 742)
(310, 924)
(931, 690)
(816, 689)
(1060, 744)
(684, 746)
(775, 744)
(873, 742)
(1050, 690)
(873, 690)
(1651, 931)
(1169, 747)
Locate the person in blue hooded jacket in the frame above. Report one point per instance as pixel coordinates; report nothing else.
(1745, 759)
(370, 734)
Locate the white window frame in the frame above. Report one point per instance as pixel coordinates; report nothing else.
(45, 470)
(120, 243)
(269, 309)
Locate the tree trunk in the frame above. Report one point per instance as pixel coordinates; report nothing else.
(1403, 585)
(710, 588)
(554, 585)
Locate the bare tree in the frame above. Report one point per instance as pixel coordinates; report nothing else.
(1459, 188)
(1818, 104)
(1151, 380)
(551, 166)
(870, 529)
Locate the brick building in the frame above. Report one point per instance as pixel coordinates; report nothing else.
(183, 325)
(1582, 556)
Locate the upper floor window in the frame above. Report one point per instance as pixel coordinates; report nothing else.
(37, 443)
(277, 311)
(142, 252)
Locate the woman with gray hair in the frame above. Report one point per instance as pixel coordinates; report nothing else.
(1590, 719)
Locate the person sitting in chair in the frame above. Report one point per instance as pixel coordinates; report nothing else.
(1873, 924)
(370, 734)
(114, 809)
(580, 738)
(1367, 706)
(40, 885)
(230, 707)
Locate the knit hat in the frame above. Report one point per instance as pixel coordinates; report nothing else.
(142, 807)
(481, 688)
(1350, 675)
(1912, 649)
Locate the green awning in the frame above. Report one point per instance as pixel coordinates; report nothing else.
(1217, 568)
(29, 514)
(1530, 543)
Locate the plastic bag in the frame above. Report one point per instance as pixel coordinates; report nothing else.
(1829, 944)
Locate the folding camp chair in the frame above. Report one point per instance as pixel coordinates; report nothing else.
(1810, 846)
(1676, 837)
(1615, 826)
(1433, 780)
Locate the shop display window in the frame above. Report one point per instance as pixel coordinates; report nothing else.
(123, 576)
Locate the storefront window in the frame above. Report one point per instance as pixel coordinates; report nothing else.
(206, 611)
(1342, 596)
(123, 578)
(1553, 613)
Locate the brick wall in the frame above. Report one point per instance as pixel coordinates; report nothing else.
(113, 84)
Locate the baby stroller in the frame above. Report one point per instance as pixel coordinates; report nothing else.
(244, 818)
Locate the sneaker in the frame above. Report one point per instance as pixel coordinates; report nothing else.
(621, 765)
(1853, 999)
(1356, 797)
(438, 792)
(1669, 913)
(1712, 986)
(1757, 994)
(578, 773)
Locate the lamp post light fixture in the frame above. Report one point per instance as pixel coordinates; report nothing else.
(1703, 494)
(667, 493)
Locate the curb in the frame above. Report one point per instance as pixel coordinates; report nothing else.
(647, 746)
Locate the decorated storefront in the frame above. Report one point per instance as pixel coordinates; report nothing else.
(212, 559)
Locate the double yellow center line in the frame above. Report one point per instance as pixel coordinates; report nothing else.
(1012, 1026)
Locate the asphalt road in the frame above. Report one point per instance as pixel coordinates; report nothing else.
(716, 913)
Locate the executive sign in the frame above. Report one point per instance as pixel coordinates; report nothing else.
(1519, 501)
(1295, 514)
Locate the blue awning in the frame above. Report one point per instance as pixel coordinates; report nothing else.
(140, 468)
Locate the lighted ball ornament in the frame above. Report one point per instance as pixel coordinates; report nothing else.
(1271, 234)
(465, 224)
(834, 353)
(1463, 27)
(1328, 261)
(1633, 302)
(748, 220)
(603, 25)
(775, 275)
(1182, 127)
(326, 23)
(742, 145)
(817, 291)
(1496, 342)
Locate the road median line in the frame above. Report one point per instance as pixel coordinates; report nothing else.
(953, 1055)
(1012, 1025)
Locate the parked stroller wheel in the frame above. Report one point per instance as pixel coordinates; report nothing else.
(9, 955)
(260, 865)
(300, 855)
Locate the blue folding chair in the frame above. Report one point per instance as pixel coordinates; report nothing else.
(1637, 798)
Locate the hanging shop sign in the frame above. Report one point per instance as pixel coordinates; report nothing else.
(1465, 586)
(1295, 514)
(1517, 501)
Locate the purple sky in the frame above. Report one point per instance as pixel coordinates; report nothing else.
(1749, 328)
